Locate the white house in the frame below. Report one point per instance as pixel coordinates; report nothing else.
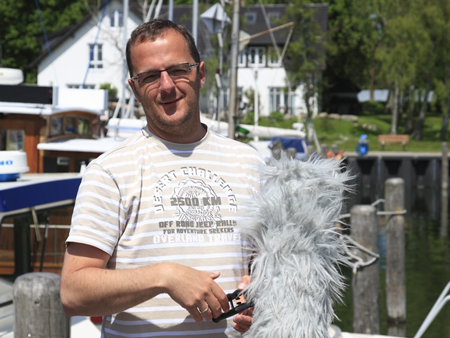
(261, 69)
(90, 53)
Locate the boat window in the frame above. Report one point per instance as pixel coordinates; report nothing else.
(56, 126)
(12, 139)
(78, 86)
(70, 125)
(83, 126)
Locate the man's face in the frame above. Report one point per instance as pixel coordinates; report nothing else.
(171, 105)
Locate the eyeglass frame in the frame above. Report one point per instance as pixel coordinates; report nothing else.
(191, 65)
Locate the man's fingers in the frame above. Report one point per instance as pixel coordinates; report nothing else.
(222, 298)
(242, 323)
(205, 311)
(195, 314)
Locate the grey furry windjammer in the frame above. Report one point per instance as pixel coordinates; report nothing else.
(295, 277)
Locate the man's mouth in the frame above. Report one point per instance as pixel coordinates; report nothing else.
(170, 101)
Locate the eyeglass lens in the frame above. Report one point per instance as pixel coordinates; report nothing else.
(174, 72)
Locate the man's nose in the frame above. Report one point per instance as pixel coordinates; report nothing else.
(165, 82)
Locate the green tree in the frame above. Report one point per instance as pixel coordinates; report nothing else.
(21, 29)
(397, 59)
(427, 51)
(440, 30)
(356, 29)
(305, 53)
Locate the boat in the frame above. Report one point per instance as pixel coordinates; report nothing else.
(38, 193)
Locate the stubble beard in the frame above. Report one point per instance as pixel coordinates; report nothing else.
(178, 126)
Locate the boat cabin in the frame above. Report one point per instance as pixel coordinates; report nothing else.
(32, 115)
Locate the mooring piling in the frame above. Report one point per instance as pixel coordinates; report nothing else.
(37, 307)
(395, 250)
(365, 284)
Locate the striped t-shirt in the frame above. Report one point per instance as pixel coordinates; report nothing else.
(150, 201)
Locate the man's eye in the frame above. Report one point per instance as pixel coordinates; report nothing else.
(147, 78)
(178, 71)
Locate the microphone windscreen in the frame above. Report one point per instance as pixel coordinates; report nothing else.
(295, 268)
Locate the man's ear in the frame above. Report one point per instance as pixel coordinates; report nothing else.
(201, 72)
(131, 84)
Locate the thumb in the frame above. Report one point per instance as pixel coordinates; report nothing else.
(245, 281)
(214, 274)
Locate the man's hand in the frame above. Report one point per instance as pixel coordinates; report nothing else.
(243, 321)
(88, 289)
(196, 291)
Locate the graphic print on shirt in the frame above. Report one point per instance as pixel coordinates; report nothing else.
(196, 202)
(195, 197)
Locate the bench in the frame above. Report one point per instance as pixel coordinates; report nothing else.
(393, 139)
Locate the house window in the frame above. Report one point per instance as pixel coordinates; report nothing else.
(251, 17)
(272, 58)
(226, 94)
(275, 95)
(116, 18)
(273, 16)
(256, 56)
(242, 58)
(282, 100)
(96, 56)
(289, 100)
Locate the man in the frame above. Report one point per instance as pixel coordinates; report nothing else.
(160, 211)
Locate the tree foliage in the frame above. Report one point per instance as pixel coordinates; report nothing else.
(21, 29)
(400, 45)
(305, 53)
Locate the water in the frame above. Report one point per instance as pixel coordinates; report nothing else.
(427, 266)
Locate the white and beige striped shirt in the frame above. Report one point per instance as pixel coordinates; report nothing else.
(150, 201)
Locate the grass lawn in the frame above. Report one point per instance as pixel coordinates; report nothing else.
(346, 134)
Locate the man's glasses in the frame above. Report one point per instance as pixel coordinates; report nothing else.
(175, 72)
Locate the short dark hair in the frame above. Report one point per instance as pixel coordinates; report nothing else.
(154, 29)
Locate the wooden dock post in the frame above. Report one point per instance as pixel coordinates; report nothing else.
(276, 153)
(444, 191)
(334, 149)
(311, 150)
(395, 251)
(365, 284)
(291, 152)
(324, 150)
(37, 307)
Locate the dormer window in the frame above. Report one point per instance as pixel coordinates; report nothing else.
(273, 16)
(116, 18)
(251, 17)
